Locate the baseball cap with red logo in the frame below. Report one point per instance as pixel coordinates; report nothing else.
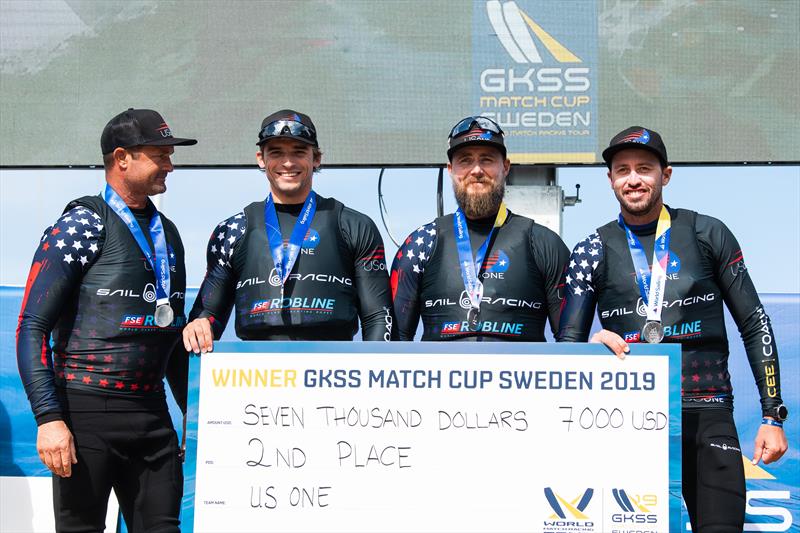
(139, 127)
(636, 137)
(475, 130)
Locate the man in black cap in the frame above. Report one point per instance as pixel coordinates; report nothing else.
(658, 274)
(107, 283)
(298, 266)
(482, 273)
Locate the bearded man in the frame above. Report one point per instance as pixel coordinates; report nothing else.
(482, 273)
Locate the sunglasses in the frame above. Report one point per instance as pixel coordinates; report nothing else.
(287, 127)
(468, 123)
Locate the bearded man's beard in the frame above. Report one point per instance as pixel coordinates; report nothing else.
(479, 205)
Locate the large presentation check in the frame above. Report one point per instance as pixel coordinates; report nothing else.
(433, 437)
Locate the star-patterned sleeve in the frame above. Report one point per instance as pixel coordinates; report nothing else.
(742, 299)
(408, 268)
(580, 298)
(216, 296)
(65, 252)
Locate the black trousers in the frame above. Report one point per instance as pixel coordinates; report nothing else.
(713, 473)
(136, 454)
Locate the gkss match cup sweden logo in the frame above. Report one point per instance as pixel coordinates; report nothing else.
(535, 74)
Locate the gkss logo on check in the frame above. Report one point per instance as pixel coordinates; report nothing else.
(636, 509)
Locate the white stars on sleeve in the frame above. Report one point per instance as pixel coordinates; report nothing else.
(579, 276)
(83, 244)
(227, 234)
(415, 252)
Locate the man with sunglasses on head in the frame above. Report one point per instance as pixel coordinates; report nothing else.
(665, 274)
(108, 283)
(482, 273)
(297, 266)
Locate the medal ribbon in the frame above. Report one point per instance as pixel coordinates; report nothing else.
(469, 266)
(651, 284)
(284, 258)
(159, 261)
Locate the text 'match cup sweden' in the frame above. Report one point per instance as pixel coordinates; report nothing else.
(535, 74)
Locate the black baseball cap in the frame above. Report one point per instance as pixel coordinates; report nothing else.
(290, 124)
(475, 130)
(139, 127)
(636, 137)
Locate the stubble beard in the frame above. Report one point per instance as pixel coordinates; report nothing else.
(480, 205)
(640, 209)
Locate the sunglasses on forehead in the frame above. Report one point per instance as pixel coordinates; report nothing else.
(468, 123)
(287, 127)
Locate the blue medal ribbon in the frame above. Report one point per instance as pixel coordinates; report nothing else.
(284, 257)
(470, 267)
(651, 287)
(158, 261)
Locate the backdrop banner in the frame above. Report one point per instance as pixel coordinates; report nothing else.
(385, 81)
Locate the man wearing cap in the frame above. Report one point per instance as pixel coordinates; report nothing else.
(107, 284)
(297, 266)
(482, 273)
(669, 271)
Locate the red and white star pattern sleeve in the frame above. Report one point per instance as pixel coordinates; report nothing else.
(65, 252)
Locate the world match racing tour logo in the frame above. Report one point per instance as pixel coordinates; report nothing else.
(540, 92)
(569, 515)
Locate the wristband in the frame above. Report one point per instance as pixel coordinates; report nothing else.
(771, 422)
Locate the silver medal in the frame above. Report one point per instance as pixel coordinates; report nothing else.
(473, 318)
(164, 315)
(653, 332)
